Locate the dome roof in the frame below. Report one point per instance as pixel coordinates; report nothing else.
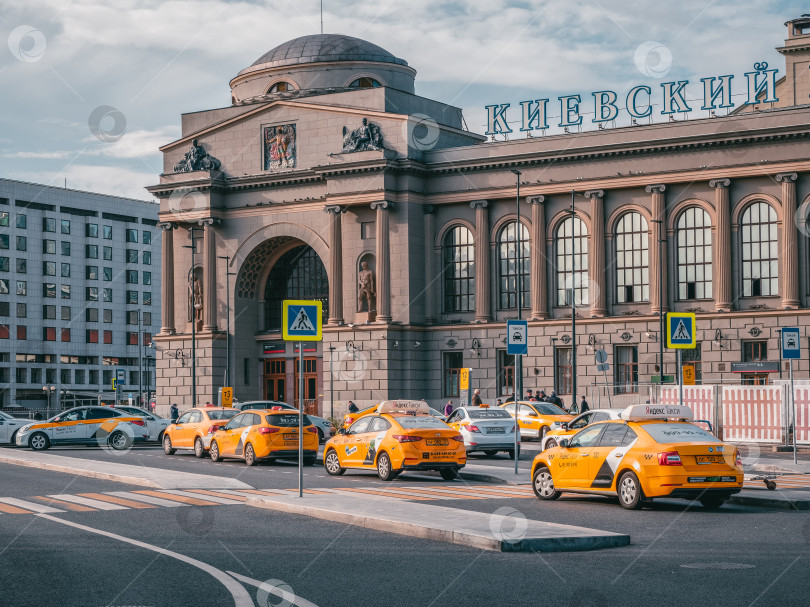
(325, 47)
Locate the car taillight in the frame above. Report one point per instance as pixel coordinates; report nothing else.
(312, 429)
(738, 460)
(213, 429)
(512, 430)
(406, 438)
(138, 422)
(669, 458)
(266, 430)
(348, 421)
(473, 428)
(459, 438)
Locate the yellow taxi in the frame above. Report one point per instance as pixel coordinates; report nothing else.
(400, 435)
(652, 451)
(82, 426)
(264, 434)
(536, 418)
(192, 430)
(350, 418)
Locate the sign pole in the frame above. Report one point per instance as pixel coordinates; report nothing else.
(517, 387)
(790, 349)
(680, 378)
(300, 419)
(793, 403)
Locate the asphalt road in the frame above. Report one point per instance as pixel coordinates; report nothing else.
(680, 554)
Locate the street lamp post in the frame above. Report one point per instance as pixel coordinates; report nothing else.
(518, 357)
(147, 365)
(48, 391)
(660, 305)
(573, 307)
(228, 274)
(195, 306)
(331, 383)
(140, 361)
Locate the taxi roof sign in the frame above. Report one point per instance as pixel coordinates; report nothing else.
(681, 330)
(302, 320)
(403, 406)
(644, 412)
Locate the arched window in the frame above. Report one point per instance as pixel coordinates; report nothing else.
(760, 253)
(632, 259)
(508, 266)
(572, 261)
(299, 274)
(458, 253)
(280, 87)
(694, 254)
(364, 82)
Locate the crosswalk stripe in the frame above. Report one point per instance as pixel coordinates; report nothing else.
(209, 499)
(50, 501)
(219, 494)
(436, 493)
(166, 495)
(148, 499)
(116, 500)
(313, 491)
(263, 491)
(33, 507)
(83, 501)
(383, 493)
(13, 509)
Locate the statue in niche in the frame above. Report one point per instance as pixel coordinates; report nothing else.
(366, 294)
(197, 159)
(365, 137)
(195, 301)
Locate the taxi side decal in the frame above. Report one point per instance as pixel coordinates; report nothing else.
(607, 471)
(372, 447)
(350, 450)
(240, 447)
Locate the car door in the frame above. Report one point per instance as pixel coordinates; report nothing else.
(528, 420)
(228, 438)
(455, 418)
(372, 438)
(249, 421)
(606, 456)
(95, 426)
(177, 428)
(187, 427)
(69, 428)
(572, 463)
(353, 454)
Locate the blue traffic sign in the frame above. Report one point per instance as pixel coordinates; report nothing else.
(302, 320)
(517, 337)
(791, 343)
(681, 330)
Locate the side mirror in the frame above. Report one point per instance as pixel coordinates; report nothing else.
(532, 414)
(564, 425)
(564, 443)
(342, 431)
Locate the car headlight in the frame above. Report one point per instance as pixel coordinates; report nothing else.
(25, 428)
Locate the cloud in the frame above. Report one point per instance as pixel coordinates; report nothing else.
(112, 180)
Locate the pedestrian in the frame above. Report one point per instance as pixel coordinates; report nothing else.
(543, 397)
(37, 416)
(352, 407)
(498, 402)
(529, 395)
(583, 405)
(476, 401)
(209, 404)
(555, 400)
(173, 412)
(448, 408)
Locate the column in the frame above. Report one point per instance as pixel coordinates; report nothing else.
(790, 250)
(167, 278)
(335, 264)
(658, 255)
(430, 287)
(539, 295)
(483, 310)
(722, 255)
(596, 261)
(383, 261)
(209, 274)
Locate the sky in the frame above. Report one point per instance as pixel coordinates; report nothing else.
(91, 89)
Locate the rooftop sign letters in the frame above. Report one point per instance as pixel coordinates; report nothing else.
(639, 102)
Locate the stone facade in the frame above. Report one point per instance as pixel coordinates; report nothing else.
(396, 206)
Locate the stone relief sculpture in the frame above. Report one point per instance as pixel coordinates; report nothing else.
(197, 159)
(366, 293)
(365, 137)
(195, 300)
(279, 147)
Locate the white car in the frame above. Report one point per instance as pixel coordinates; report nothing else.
(566, 429)
(9, 426)
(84, 426)
(325, 428)
(156, 425)
(487, 429)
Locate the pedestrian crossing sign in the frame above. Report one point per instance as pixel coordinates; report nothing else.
(681, 330)
(301, 320)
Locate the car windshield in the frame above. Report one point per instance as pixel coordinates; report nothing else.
(678, 433)
(286, 420)
(488, 414)
(266, 405)
(224, 414)
(548, 409)
(5, 416)
(419, 421)
(435, 413)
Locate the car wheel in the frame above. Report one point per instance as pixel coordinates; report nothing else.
(712, 502)
(490, 452)
(39, 441)
(543, 484)
(511, 453)
(14, 439)
(214, 451)
(550, 443)
(250, 455)
(119, 441)
(320, 435)
(630, 494)
(160, 438)
(332, 463)
(199, 449)
(384, 470)
(448, 474)
(309, 461)
(167, 445)
(542, 433)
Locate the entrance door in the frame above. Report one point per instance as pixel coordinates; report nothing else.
(310, 385)
(275, 379)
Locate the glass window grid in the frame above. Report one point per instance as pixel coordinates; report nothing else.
(22, 221)
(108, 274)
(572, 236)
(298, 274)
(459, 270)
(65, 270)
(49, 268)
(5, 241)
(107, 232)
(563, 378)
(22, 266)
(147, 237)
(760, 251)
(131, 235)
(22, 243)
(5, 264)
(64, 226)
(107, 295)
(91, 251)
(632, 259)
(65, 291)
(22, 310)
(694, 242)
(65, 248)
(48, 224)
(453, 362)
(107, 253)
(508, 269)
(91, 272)
(626, 358)
(48, 289)
(147, 258)
(49, 247)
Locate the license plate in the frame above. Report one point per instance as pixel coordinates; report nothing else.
(712, 479)
(496, 430)
(437, 442)
(439, 455)
(709, 459)
(290, 437)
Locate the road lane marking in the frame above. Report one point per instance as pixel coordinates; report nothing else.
(280, 593)
(383, 493)
(105, 497)
(148, 499)
(98, 505)
(167, 495)
(219, 494)
(33, 507)
(241, 597)
(51, 501)
(210, 497)
(13, 509)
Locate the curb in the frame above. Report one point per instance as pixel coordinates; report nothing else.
(770, 502)
(131, 480)
(772, 469)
